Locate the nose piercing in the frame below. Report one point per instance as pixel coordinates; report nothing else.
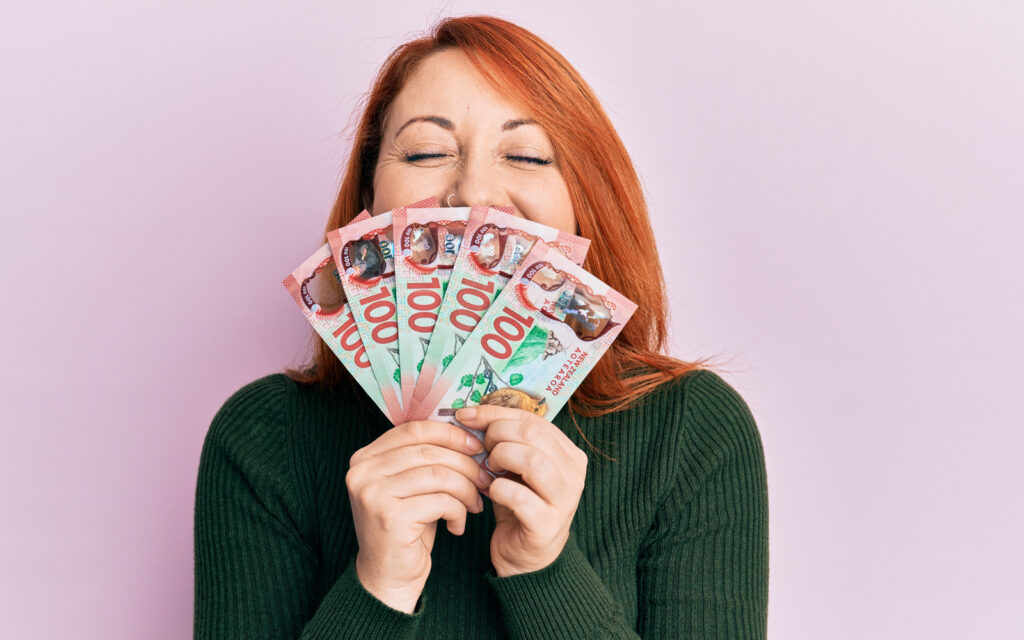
(449, 200)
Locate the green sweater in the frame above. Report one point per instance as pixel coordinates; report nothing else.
(670, 539)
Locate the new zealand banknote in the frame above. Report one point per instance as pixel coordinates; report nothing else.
(495, 244)
(316, 288)
(368, 281)
(364, 253)
(427, 242)
(535, 344)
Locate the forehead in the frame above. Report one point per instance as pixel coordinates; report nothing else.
(447, 84)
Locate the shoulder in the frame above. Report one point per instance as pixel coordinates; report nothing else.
(254, 431)
(709, 419)
(277, 422)
(719, 422)
(694, 394)
(250, 452)
(718, 426)
(255, 409)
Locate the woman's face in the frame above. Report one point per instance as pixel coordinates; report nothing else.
(448, 132)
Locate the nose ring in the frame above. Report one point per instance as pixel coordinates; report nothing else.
(449, 200)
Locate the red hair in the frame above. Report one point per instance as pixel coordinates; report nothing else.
(603, 187)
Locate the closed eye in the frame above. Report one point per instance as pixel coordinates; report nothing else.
(416, 157)
(529, 159)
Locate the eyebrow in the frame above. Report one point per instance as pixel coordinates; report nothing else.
(512, 124)
(447, 124)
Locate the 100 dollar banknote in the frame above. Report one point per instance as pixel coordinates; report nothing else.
(535, 344)
(316, 288)
(427, 242)
(495, 244)
(364, 253)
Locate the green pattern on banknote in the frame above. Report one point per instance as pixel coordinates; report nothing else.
(534, 345)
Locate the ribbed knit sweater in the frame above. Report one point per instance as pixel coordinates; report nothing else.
(670, 539)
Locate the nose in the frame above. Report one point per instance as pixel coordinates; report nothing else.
(476, 182)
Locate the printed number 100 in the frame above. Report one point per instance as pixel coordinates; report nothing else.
(474, 298)
(379, 311)
(508, 327)
(424, 298)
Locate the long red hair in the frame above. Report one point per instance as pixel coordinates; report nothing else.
(604, 189)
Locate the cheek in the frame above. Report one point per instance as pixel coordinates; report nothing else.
(548, 204)
(394, 185)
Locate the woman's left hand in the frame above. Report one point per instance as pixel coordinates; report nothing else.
(532, 517)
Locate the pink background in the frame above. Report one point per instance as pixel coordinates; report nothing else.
(838, 197)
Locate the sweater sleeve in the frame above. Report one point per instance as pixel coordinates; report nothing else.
(565, 599)
(702, 570)
(255, 564)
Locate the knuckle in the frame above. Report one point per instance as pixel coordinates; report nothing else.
(519, 496)
(357, 457)
(534, 419)
(529, 430)
(534, 460)
(510, 490)
(416, 429)
(455, 437)
(427, 452)
(388, 520)
(581, 457)
(439, 472)
(497, 450)
(452, 506)
(364, 499)
(353, 478)
(484, 412)
(371, 493)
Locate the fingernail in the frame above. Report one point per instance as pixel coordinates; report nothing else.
(485, 478)
(473, 443)
(466, 414)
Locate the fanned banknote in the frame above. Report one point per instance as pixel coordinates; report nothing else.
(364, 252)
(535, 344)
(427, 242)
(495, 243)
(316, 288)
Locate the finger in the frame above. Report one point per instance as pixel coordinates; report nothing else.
(480, 416)
(528, 508)
(538, 471)
(434, 479)
(483, 416)
(532, 432)
(425, 509)
(442, 434)
(420, 455)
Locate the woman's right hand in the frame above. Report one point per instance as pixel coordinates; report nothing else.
(399, 486)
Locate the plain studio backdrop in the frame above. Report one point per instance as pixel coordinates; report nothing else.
(836, 189)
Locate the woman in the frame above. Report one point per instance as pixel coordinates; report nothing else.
(642, 510)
